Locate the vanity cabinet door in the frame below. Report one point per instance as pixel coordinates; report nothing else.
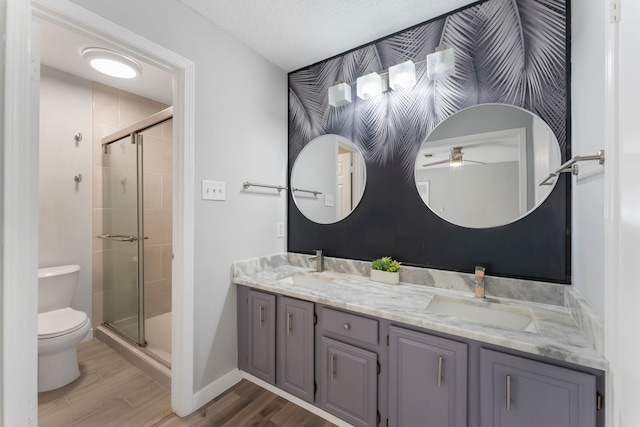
(518, 392)
(348, 382)
(261, 346)
(295, 347)
(427, 380)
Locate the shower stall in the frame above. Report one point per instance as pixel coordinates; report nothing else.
(136, 232)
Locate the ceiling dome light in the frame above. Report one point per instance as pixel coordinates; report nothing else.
(112, 63)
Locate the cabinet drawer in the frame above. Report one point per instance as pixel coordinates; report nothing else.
(350, 325)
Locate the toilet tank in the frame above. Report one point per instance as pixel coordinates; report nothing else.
(57, 287)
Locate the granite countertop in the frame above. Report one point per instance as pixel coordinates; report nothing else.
(558, 336)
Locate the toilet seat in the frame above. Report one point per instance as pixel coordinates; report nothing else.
(56, 323)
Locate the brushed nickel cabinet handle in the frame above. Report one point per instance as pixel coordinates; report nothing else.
(508, 392)
(440, 360)
(347, 326)
(261, 315)
(332, 365)
(288, 323)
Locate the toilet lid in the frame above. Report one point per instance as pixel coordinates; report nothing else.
(60, 322)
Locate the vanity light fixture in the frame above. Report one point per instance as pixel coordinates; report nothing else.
(112, 63)
(369, 85)
(441, 63)
(402, 75)
(339, 95)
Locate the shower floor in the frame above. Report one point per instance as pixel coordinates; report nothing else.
(157, 331)
(158, 335)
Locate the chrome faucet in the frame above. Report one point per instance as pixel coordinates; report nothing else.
(319, 259)
(479, 282)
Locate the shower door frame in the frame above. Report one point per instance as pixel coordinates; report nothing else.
(134, 131)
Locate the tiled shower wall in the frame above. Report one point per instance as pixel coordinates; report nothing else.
(113, 110)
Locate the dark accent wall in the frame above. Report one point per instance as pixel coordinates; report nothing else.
(507, 51)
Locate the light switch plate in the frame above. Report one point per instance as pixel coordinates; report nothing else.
(328, 200)
(214, 190)
(280, 230)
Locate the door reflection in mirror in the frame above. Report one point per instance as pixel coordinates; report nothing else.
(328, 179)
(482, 166)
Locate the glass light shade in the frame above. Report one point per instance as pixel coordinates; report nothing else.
(402, 75)
(441, 64)
(369, 85)
(112, 63)
(339, 95)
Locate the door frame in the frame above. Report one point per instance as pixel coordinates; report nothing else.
(20, 222)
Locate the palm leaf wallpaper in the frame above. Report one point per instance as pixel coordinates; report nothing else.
(506, 51)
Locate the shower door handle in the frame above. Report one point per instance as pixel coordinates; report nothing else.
(118, 237)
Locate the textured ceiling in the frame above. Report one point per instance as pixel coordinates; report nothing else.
(295, 33)
(290, 33)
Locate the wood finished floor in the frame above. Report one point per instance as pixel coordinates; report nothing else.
(112, 392)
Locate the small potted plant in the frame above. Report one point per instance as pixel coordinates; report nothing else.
(385, 270)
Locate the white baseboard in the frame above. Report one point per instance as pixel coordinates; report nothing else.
(293, 399)
(215, 389)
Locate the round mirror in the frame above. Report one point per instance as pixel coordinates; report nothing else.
(484, 166)
(328, 179)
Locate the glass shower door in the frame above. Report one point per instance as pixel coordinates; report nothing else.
(123, 251)
(158, 251)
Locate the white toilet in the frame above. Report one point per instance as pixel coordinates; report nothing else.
(60, 328)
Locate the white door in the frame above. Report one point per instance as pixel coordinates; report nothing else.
(622, 227)
(344, 184)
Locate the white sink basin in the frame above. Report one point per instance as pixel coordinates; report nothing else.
(492, 313)
(306, 279)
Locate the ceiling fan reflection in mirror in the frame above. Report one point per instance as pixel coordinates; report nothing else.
(454, 160)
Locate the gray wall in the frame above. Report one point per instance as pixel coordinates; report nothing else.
(588, 109)
(2, 47)
(65, 207)
(240, 135)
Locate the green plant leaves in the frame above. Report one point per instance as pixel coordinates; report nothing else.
(385, 264)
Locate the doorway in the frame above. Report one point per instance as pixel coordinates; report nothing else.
(21, 161)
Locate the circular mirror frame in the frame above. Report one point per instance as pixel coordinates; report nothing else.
(317, 198)
(457, 146)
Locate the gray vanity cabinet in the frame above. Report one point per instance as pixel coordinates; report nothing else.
(518, 392)
(427, 380)
(348, 366)
(348, 383)
(372, 372)
(295, 347)
(261, 339)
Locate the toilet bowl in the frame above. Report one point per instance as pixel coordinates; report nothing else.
(60, 328)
